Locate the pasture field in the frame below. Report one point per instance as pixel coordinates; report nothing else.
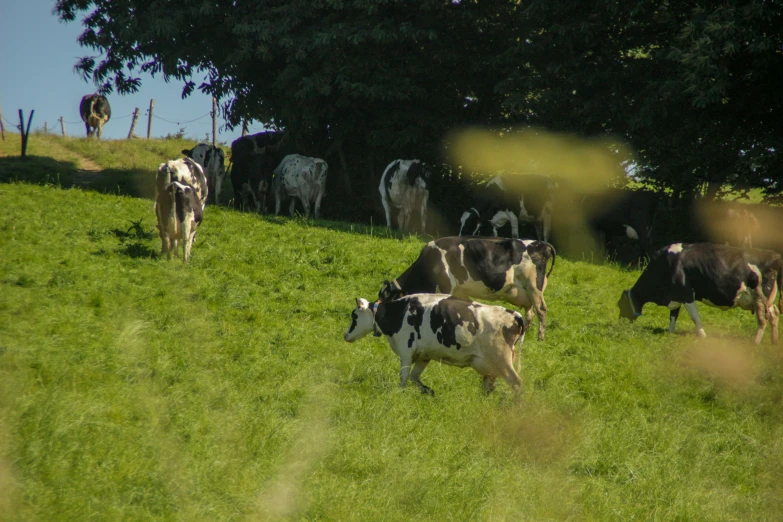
(135, 388)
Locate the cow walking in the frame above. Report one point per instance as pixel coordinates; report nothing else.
(510, 270)
(95, 112)
(180, 198)
(435, 327)
(300, 177)
(404, 185)
(718, 275)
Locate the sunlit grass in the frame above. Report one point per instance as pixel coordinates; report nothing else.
(134, 388)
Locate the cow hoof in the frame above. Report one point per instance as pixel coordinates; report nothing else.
(426, 390)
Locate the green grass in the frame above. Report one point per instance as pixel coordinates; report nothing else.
(132, 388)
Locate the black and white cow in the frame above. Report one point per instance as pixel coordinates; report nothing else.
(626, 212)
(511, 270)
(300, 177)
(253, 160)
(95, 112)
(179, 216)
(213, 162)
(511, 200)
(183, 179)
(435, 327)
(718, 275)
(404, 185)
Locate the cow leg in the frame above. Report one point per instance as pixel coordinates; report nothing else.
(87, 126)
(292, 207)
(188, 236)
(277, 204)
(405, 368)
(547, 221)
(512, 377)
(418, 368)
(318, 203)
(673, 314)
(306, 205)
(387, 210)
(694, 313)
(99, 129)
(424, 214)
(761, 315)
(489, 384)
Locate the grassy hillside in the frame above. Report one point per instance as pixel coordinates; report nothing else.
(139, 389)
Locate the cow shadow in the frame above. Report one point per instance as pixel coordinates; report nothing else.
(46, 171)
(133, 241)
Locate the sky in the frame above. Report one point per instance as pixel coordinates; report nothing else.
(37, 56)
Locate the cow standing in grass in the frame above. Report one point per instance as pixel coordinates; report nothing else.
(95, 112)
(435, 327)
(302, 178)
(180, 198)
(721, 276)
(213, 162)
(511, 270)
(404, 185)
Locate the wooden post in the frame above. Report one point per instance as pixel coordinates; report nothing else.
(214, 120)
(133, 122)
(244, 128)
(2, 128)
(25, 134)
(62, 125)
(46, 129)
(149, 120)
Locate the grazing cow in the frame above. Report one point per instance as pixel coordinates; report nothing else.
(510, 270)
(213, 162)
(95, 112)
(721, 276)
(435, 327)
(628, 212)
(511, 200)
(404, 185)
(253, 160)
(300, 177)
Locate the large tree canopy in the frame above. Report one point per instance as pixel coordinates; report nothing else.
(695, 90)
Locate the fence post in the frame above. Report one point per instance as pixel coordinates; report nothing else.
(62, 125)
(46, 129)
(133, 122)
(214, 120)
(149, 120)
(2, 128)
(25, 134)
(244, 128)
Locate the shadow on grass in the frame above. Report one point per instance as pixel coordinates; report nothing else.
(45, 171)
(132, 241)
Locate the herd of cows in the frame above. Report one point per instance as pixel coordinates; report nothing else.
(427, 313)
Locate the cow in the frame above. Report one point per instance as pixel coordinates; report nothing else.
(404, 185)
(179, 182)
(179, 214)
(253, 160)
(436, 327)
(300, 177)
(213, 162)
(617, 211)
(511, 270)
(95, 112)
(718, 275)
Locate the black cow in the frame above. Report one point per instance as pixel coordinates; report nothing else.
(95, 112)
(718, 275)
(511, 270)
(626, 212)
(511, 200)
(253, 159)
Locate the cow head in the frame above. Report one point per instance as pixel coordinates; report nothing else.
(470, 223)
(362, 320)
(627, 307)
(390, 291)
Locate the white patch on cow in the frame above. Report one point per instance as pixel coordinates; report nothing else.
(755, 270)
(300, 177)
(694, 313)
(465, 216)
(630, 232)
(503, 217)
(673, 305)
(401, 195)
(676, 248)
(672, 320)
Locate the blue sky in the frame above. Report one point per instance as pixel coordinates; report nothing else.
(37, 55)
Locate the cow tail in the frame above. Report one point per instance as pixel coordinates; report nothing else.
(554, 256)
